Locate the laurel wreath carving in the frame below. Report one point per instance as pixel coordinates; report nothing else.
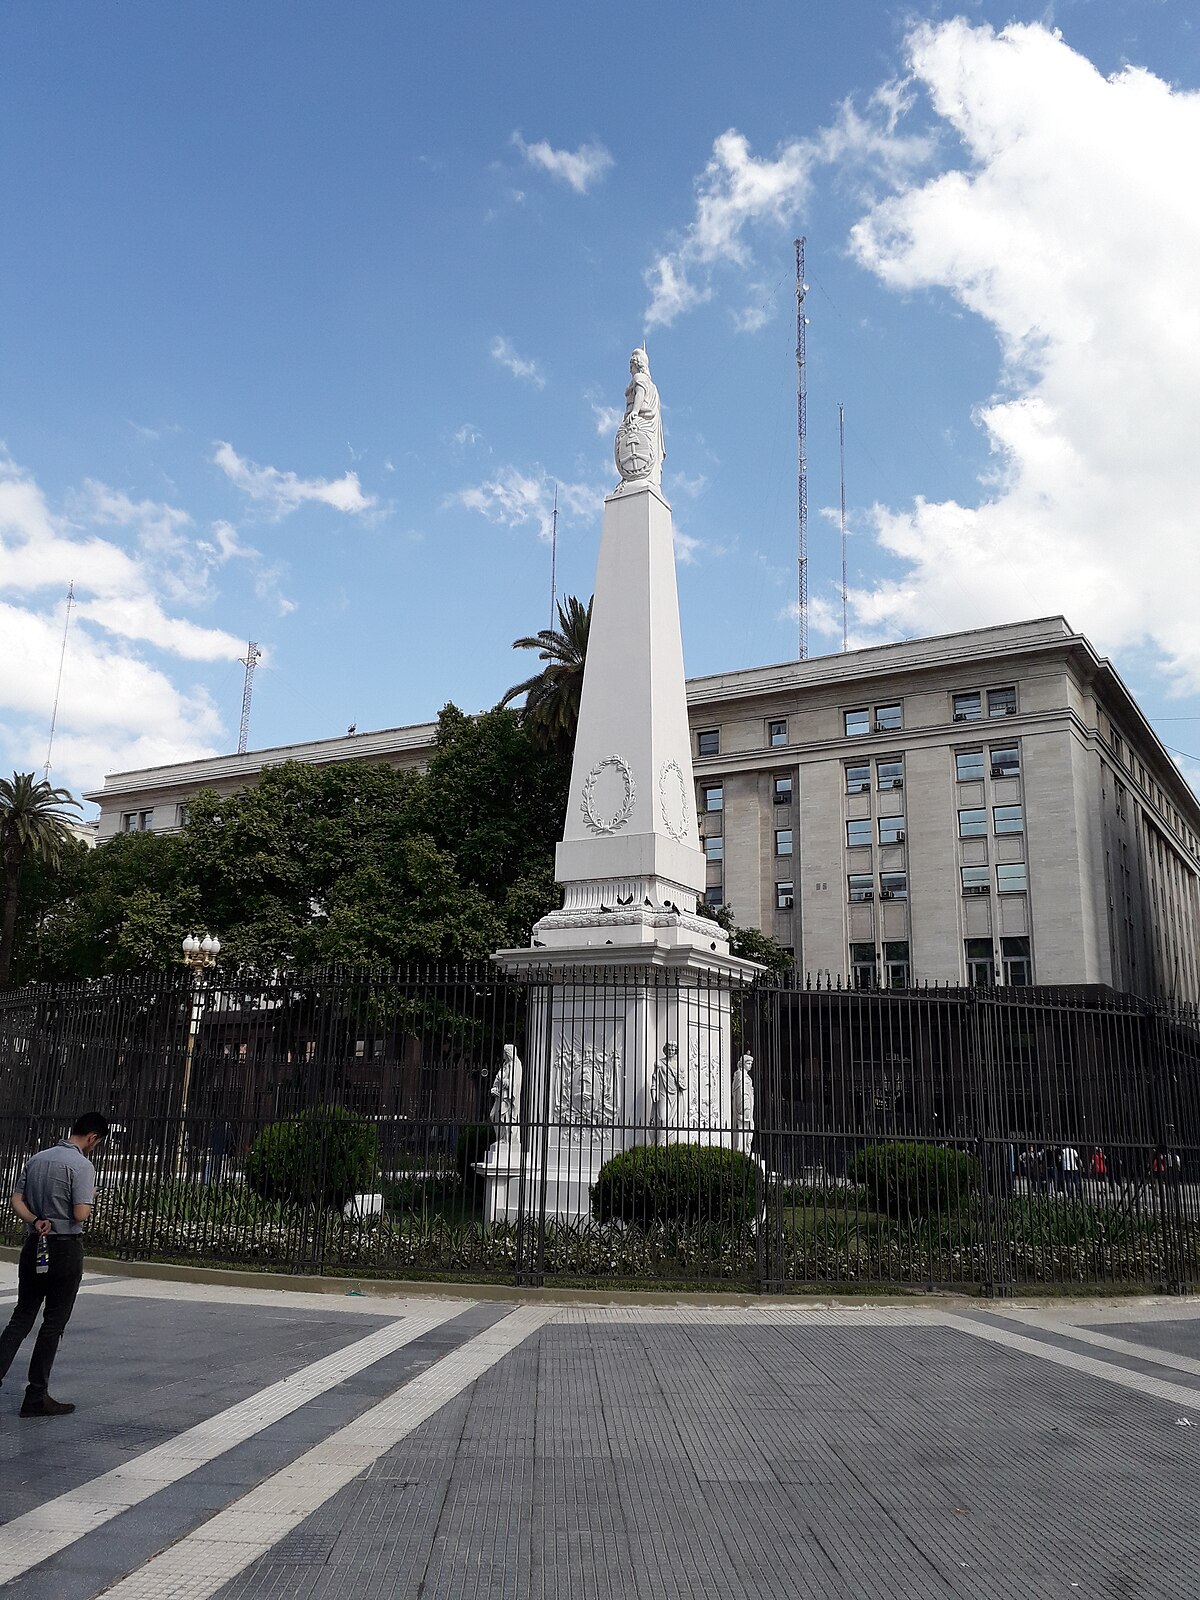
(621, 816)
(678, 831)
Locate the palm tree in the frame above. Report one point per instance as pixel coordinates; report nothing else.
(551, 709)
(33, 822)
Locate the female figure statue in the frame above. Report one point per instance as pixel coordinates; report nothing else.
(506, 1098)
(639, 448)
(743, 1105)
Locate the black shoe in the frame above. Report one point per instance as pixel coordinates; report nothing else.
(46, 1407)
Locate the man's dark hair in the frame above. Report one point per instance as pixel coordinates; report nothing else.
(90, 1122)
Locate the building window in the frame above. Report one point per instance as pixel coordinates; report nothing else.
(858, 778)
(137, 821)
(714, 895)
(714, 847)
(1018, 968)
(777, 732)
(1006, 761)
(891, 830)
(981, 970)
(1002, 702)
(895, 963)
(1008, 819)
(968, 707)
(887, 719)
(713, 796)
(972, 824)
(785, 895)
(783, 791)
(863, 973)
(860, 886)
(889, 772)
(968, 765)
(857, 721)
(893, 885)
(976, 880)
(182, 812)
(783, 841)
(858, 832)
(1010, 877)
(708, 743)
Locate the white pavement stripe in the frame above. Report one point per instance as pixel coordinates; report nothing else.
(1175, 1394)
(353, 1301)
(1107, 1341)
(203, 1561)
(52, 1526)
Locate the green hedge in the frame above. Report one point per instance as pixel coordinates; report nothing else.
(907, 1181)
(675, 1183)
(324, 1156)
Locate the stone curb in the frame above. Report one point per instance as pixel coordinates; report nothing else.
(401, 1288)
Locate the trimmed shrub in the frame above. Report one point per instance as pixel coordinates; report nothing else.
(679, 1183)
(907, 1181)
(324, 1156)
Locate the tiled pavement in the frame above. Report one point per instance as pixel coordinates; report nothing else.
(260, 1444)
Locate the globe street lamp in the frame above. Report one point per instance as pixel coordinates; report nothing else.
(199, 955)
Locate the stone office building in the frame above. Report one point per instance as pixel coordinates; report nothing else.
(986, 806)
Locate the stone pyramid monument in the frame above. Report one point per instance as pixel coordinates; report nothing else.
(631, 1017)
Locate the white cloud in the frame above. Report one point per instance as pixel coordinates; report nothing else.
(116, 708)
(520, 366)
(282, 492)
(1072, 228)
(692, 487)
(468, 436)
(737, 190)
(606, 418)
(580, 168)
(516, 499)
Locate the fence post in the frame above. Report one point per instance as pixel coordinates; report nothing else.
(995, 1278)
(1167, 1179)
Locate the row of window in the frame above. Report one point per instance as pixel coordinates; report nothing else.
(972, 823)
(968, 706)
(1004, 761)
(712, 795)
(137, 821)
(892, 886)
(714, 844)
(1011, 878)
(1016, 963)
(859, 832)
(889, 774)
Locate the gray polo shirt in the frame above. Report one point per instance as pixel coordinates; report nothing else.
(55, 1180)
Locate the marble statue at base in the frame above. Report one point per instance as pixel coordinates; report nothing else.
(743, 1105)
(506, 1107)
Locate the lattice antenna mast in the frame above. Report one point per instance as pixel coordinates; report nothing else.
(801, 454)
(250, 660)
(62, 656)
(842, 477)
(554, 562)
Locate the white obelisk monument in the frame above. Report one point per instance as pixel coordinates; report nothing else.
(629, 1034)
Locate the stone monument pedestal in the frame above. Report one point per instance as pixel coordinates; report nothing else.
(628, 1040)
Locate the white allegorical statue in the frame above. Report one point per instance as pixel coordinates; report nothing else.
(639, 448)
(743, 1105)
(667, 1089)
(506, 1097)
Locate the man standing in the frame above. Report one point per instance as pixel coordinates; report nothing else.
(54, 1199)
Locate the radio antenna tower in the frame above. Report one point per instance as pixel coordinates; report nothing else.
(801, 454)
(249, 661)
(62, 656)
(554, 562)
(842, 476)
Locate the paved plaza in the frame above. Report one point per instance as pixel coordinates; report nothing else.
(248, 1442)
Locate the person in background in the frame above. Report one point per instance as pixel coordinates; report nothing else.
(53, 1198)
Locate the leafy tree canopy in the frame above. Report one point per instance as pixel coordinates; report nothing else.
(358, 862)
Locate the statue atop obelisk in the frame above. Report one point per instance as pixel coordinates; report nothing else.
(639, 448)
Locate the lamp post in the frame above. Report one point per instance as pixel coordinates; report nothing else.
(199, 955)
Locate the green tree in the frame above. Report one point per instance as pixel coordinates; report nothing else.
(750, 943)
(551, 710)
(33, 826)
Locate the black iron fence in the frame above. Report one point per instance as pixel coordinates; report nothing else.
(617, 1127)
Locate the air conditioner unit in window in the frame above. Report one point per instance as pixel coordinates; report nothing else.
(978, 888)
(860, 895)
(963, 716)
(898, 837)
(885, 727)
(887, 894)
(787, 902)
(783, 799)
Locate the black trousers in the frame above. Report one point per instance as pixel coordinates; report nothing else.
(57, 1289)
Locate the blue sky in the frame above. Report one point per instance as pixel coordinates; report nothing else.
(307, 308)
